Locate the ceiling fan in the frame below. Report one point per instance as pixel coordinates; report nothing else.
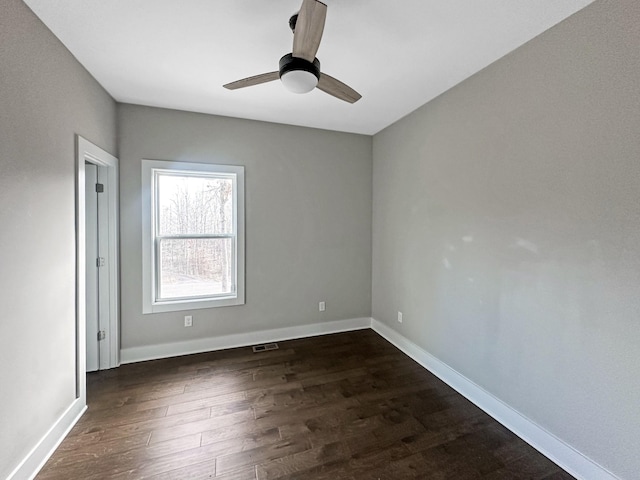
(299, 70)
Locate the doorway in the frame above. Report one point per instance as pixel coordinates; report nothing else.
(97, 319)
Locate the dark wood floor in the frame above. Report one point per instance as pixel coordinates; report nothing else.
(346, 406)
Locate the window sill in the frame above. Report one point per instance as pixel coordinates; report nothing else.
(184, 305)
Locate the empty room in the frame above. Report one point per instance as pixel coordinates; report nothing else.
(315, 240)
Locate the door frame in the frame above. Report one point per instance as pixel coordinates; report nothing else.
(88, 152)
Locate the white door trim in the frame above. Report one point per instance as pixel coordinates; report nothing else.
(88, 152)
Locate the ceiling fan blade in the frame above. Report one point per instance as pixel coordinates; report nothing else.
(335, 87)
(251, 81)
(309, 28)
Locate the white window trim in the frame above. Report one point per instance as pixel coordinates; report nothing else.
(148, 264)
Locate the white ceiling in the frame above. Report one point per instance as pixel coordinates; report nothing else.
(398, 55)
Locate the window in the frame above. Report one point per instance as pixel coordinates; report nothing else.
(193, 235)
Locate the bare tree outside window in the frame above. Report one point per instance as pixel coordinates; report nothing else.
(195, 235)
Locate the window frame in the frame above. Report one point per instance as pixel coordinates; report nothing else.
(151, 241)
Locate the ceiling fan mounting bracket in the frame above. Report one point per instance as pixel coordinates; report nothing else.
(292, 22)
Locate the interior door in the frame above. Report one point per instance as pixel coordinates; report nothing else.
(91, 236)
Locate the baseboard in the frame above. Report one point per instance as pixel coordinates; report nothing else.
(38, 456)
(545, 442)
(153, 352)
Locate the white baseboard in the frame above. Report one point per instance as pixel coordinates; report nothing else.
(545, 442)
(153, 352)
(38, 456)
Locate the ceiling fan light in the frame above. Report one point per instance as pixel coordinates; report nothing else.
(299, 81)
(299, 75)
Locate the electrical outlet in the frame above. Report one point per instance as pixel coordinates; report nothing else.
(188, 321)
(400, 317)
(321, 306)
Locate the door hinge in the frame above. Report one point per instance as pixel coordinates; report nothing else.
(102, 335)
(99, 187)
(100, 262)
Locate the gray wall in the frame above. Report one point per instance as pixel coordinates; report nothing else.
(46, 97)
(507, 230)
(307, 217)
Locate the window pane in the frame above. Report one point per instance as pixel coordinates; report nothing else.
(195, 267)
(194, 204)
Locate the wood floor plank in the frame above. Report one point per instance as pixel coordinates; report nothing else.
(262, 454)
(301, 463)
(242, 442)
(156, 424)
(347, 406)
(193, 471)
(103, 449)
(227, 435)
(187, 402)
(127, 464)
(112, 418)
(166, 432)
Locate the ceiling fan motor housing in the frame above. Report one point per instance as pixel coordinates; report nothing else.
(289, 63)
(297, 74)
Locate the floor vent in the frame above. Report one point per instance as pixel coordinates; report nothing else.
(265, 347)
